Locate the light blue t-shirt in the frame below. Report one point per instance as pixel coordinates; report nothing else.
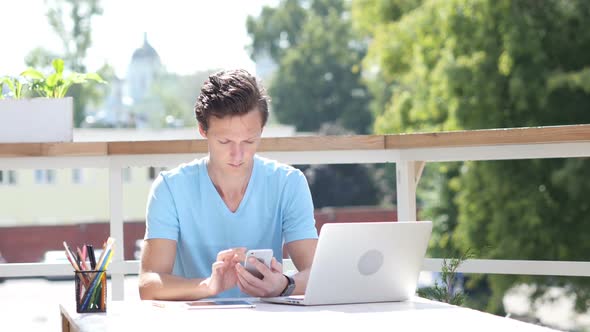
(184, 206)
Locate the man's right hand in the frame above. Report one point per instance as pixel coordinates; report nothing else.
(223, 271)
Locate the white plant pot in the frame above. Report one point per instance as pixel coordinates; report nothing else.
(36, 120)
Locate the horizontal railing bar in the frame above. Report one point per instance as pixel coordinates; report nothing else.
(13, 270)
(519, 267)
(499, 152)
(125, 267)
(54, 162)
(158, 147)
(474, 138)
(35, 269)
(292, 158)
(156, 160)
(502, 152)
(323, 143)
(482, 137)
(53, 149)
(483, 266)
(333, 157)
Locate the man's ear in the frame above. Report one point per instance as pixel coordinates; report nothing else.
(202, 131)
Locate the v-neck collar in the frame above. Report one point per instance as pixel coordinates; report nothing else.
(219, 200)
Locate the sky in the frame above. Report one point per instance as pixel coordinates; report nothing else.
(189, 35)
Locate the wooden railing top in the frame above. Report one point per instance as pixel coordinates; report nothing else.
(508, 136)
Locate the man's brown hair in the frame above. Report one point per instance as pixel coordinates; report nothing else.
(229, 93)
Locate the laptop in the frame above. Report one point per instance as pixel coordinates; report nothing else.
(364, 262)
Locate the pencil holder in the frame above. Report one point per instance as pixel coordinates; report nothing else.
(91, 291)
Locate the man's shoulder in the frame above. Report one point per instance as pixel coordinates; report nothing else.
(270, 167)
(275, 174)
(183, 170)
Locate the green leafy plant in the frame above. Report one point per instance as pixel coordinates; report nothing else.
(15, 87)
(56, 85)
(53, 85)
(447, 291)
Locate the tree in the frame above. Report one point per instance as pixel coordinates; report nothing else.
(72, 22)
(276, 29)
(318, 78)
(178, 94)
(341, 184)
(475, 64)
(318, 87)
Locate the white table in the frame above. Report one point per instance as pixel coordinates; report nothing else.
(415, 315)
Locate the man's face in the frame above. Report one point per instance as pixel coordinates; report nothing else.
(233, 141)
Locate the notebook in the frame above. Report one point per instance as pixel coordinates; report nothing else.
(364, 262)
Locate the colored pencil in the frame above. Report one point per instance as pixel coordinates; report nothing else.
(104, 262)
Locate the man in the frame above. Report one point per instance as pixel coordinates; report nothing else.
(202, 216)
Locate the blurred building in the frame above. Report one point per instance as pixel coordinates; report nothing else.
(144, 68)
(130, 102)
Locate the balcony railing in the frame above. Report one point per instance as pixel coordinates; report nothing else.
(410, 152)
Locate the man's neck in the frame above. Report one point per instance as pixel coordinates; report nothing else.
(229, 186)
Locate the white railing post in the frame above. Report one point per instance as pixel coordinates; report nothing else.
(407, 176)
(116, 227)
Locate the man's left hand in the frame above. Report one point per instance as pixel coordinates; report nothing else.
(272, 283)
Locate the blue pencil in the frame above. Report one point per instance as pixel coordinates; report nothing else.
(103, 264)
(94, 283)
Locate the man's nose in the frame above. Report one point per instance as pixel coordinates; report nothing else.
(237, 152)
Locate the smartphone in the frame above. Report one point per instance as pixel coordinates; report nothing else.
(263, 255)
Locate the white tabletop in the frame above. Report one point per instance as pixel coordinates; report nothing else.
(415, 315)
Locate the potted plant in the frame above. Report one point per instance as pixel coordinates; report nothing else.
(47, 116)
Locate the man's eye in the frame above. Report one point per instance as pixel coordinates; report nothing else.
(249, 142)
(223, 142)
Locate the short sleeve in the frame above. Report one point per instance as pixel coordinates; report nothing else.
(161, 214)
(298, 218)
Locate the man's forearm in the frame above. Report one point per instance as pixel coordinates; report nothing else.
(300, 278)
(162, 286)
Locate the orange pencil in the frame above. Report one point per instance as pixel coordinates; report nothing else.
(102, 292)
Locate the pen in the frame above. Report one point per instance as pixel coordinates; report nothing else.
(90, 252)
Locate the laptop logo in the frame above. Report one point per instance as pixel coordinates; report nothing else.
(370, 262)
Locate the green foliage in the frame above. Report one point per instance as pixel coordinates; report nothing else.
(71, 20)
(472, 64)
(40, 58)
(447, 292)
(338, 185)
(326, 183)
(318, 86)
(276, 29)
(318, 79)
(15, 87)
(56, 85)
(438, 189)
(178, 94)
